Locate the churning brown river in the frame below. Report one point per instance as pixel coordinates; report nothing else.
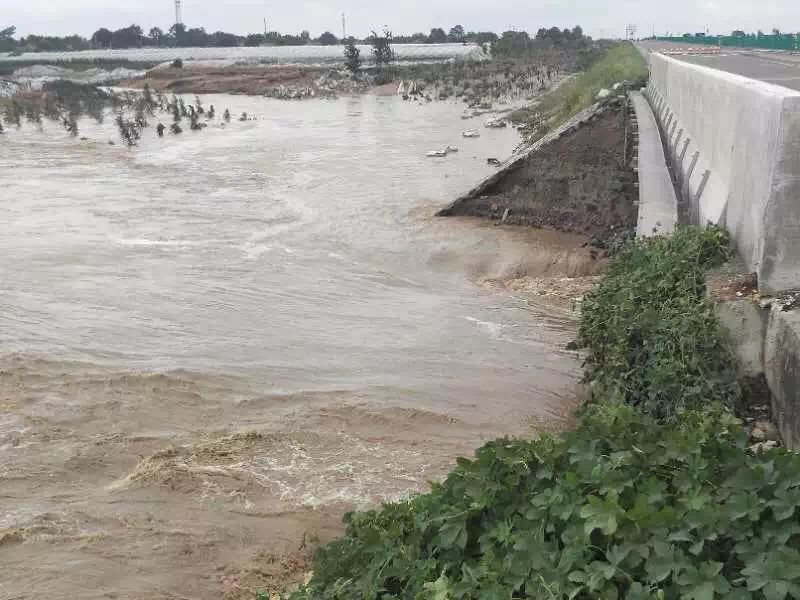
(213, 345)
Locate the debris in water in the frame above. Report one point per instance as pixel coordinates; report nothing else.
(496, 123)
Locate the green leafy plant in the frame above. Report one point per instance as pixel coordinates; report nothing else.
(652, 337)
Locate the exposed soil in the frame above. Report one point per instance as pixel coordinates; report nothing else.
(479, 85)
(731, 285)
(579, 183)
(269, 80)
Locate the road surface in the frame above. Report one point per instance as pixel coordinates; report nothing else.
(779, 68)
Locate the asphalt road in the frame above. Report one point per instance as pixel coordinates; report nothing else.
(779, 68)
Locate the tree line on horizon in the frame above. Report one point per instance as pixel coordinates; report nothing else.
(180, 36)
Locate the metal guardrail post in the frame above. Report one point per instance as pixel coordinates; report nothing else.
(700, 189)
(685, 148)
(675, 149)
(686, 189)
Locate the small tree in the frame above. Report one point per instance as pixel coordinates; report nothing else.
(382, 49)
(102, 38)
(437, 36)
(352, 56)
(156, 35)
(7, 42)
(328, 39)
(456, 34)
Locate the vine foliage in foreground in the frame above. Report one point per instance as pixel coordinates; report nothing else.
(625, 506)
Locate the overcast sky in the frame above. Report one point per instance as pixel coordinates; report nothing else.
(598, 17)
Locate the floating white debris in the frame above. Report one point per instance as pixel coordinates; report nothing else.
(495, 124)
(471, 133)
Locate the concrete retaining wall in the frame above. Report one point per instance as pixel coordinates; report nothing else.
(782, 370)
(735, 145)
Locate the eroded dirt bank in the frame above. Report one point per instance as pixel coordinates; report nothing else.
(269, 80)
(579, 183)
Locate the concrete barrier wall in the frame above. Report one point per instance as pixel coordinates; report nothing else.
(735, 143)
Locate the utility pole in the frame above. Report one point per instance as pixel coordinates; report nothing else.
(265, 29)
(178, 15)
(630, 32)
(344, 26)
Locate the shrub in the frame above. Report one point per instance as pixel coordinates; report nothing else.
(177, 63)
(352, 56)
(382, 51)
(652, 337)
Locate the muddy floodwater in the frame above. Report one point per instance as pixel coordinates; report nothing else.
(214, 344)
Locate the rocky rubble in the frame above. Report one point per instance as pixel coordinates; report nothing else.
(328, 85)
(7, 88)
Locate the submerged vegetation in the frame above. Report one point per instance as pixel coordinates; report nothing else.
(655, 494)
(66, 102)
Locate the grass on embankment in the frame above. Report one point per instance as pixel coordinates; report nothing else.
(621, 62)
(653, 495)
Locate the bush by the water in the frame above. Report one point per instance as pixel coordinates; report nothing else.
(655, 494)
(652, 337)
(624, 506)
